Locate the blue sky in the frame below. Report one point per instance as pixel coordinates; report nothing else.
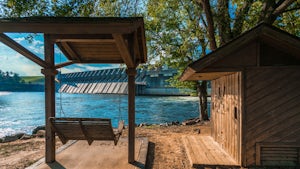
(15, 62)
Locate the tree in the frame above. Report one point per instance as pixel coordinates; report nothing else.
(180, 32)
(175, 38)
(9, 77)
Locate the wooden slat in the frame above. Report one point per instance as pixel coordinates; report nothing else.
(254, 125)
(257, 97)
(277, 154)
(203, 151)
(84, 40)
(299, 155)
(99, 46)
(271, 130)
(272, 107)
(85, 133)
(226, 98)
(89, 129)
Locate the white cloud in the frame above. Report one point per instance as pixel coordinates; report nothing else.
(38, 50)
(88, 67)
(19, 39)
(71, 70)
(19, 64)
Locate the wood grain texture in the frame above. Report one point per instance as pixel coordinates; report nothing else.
(226, 114)
(203, 151)
(273, 114)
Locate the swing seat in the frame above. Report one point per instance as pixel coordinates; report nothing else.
(89, 129)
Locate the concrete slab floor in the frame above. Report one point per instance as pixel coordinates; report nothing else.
(101, 154)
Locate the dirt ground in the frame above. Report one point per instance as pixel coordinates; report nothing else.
(166, 149)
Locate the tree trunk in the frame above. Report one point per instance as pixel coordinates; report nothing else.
(202, 93)
(210, 24)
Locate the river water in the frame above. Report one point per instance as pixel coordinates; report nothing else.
(23, 111)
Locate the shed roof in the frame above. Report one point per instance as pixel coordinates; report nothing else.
(86, 40)
(214, 65)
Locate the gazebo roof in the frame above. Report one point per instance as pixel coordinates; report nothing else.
(255, 47)
(84, 40)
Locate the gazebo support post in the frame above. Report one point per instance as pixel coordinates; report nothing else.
(131, 72)
(49, 74)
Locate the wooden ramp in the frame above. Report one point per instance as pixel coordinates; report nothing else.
(203, 151)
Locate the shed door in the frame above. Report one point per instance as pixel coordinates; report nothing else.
(226, 113)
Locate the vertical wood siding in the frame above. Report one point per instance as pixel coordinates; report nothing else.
(226, 113)
(272, 98)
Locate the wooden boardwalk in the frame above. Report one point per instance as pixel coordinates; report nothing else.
(203, 151)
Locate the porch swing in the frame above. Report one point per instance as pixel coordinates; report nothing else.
(89, 129)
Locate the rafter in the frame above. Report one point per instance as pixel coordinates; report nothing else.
(68, 51)
(102, 38)
(23, 51)
(63, 64)
(136, 45)
(124, 51)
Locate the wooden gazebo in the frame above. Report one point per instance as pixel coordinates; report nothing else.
(82, 40)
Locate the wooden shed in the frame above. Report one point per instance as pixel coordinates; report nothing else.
(255, 100)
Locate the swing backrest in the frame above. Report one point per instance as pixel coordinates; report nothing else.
(89, 129)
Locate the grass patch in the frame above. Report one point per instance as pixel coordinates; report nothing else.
(33, 79)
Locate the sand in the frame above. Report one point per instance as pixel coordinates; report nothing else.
(165, 147)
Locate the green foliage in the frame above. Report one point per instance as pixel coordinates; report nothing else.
(9, 78)
(25, 8)
(72, 8)
(174, 36)
(177, 31)
(33, 79)
(290, 22)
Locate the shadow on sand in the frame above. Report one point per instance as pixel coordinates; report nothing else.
(56, 165)
(150, 155)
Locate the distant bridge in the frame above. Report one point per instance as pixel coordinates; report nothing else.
(110, 81)
(114, 81)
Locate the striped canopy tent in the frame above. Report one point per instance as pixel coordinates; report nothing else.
(82, 40)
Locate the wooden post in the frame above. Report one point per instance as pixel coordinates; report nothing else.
(49, 74)
(131, 72)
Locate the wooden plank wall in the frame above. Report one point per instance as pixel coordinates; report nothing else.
(272, 100)
(226, 114)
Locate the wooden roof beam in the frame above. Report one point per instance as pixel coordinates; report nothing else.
(70, 25)
(23, 51)
(124, 51)
(188, 72)
(68, 51)
(87, 40)
(82, 38)
(97, 61)
(63, 64)
(136, 45)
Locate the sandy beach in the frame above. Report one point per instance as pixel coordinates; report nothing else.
(165, 150)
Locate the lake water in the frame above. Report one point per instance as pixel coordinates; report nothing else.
(23, 111)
